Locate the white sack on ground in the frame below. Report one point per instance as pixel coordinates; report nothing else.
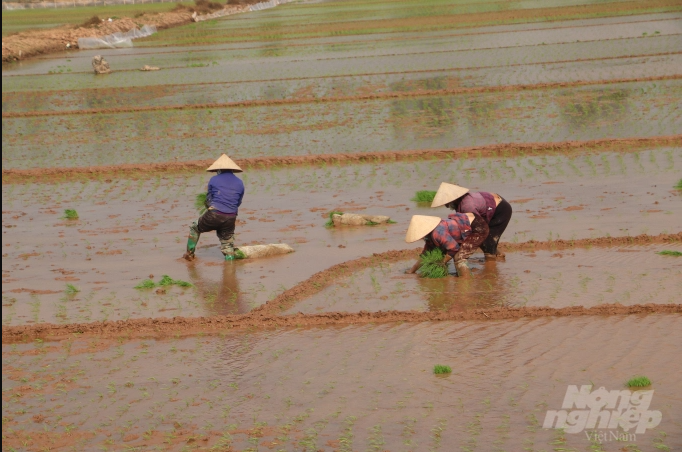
(255, 251)
(116, 40)
(354, 219)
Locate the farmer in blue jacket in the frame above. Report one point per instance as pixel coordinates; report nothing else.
(225, 193)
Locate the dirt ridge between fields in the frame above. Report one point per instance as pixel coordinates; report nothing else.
(60, 174)
(267, 316)
(355, 98)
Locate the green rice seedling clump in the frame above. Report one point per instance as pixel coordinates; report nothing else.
(678, 186)
(200, 203)
(70, 214)
(440, 369)
(670, 253)
(71, 289)
(168, 281)
(330, 222)
(432, 264)
(639, 382)
(424, 196)
(146, 284)
(239, 254)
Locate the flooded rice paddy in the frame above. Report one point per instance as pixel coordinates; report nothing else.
(350, 388)
(345, 78)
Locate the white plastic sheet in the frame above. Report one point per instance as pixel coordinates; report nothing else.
(116, 40)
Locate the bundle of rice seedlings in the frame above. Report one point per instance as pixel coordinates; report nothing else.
(70, 214)
(639, 382)
(679, 185)
(71, 289)
(239, 254)
(670, 253)
(168, 281)
(146, 284)
(424, 196)
(200, 203)
(330, 222)
(432, 264)
(440, 369)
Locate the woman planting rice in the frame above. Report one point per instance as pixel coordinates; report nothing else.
(457, 237)
(494, 210)
(225, 193)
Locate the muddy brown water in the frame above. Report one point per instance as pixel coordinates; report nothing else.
(340, 388)
(585, 277)
(129, 229)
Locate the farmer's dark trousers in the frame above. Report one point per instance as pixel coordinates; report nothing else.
(213, 221)
(478, 234)
(498, 223)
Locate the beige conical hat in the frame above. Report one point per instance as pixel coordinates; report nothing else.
(420, 225)
(447, 193)
(224, 163)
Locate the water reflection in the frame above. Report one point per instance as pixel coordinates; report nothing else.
(486, 289)
(220, 297)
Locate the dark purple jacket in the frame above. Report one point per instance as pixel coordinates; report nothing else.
(225, 192)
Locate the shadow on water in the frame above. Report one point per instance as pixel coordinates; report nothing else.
(486, 289)
(220, 297)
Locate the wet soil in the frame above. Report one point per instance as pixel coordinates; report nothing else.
(363, 386)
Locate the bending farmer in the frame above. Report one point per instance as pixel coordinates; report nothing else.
(490, 206)
(225, 193)
(458, 237)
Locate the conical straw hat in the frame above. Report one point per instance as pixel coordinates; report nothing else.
(224, 163)
(420, 225)
(447, 193)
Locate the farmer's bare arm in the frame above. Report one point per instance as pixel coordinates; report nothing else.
(447, 258)
(415, 267)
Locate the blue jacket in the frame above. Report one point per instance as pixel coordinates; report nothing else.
(225, 192)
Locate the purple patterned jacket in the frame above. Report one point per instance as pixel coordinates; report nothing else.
(449, 234)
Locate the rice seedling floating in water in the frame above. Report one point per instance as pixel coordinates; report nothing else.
(432, 264)
(70, 214)
(146, 284)
(424, 196)
(330, 222)
(440, 369)
(200, 203)
(71, 289)
(670, 253)
(679, 185)
(639, 382)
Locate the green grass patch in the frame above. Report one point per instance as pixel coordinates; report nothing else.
(71, 289)
(432, 264)
(330, 222)
(25, 19)
(200, 203)
(639, 382)
(424, 196)
(70, 214)
(670, 253)
(440, 369)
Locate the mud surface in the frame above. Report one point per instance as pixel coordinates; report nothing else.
(367, 387)
(11, 175)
